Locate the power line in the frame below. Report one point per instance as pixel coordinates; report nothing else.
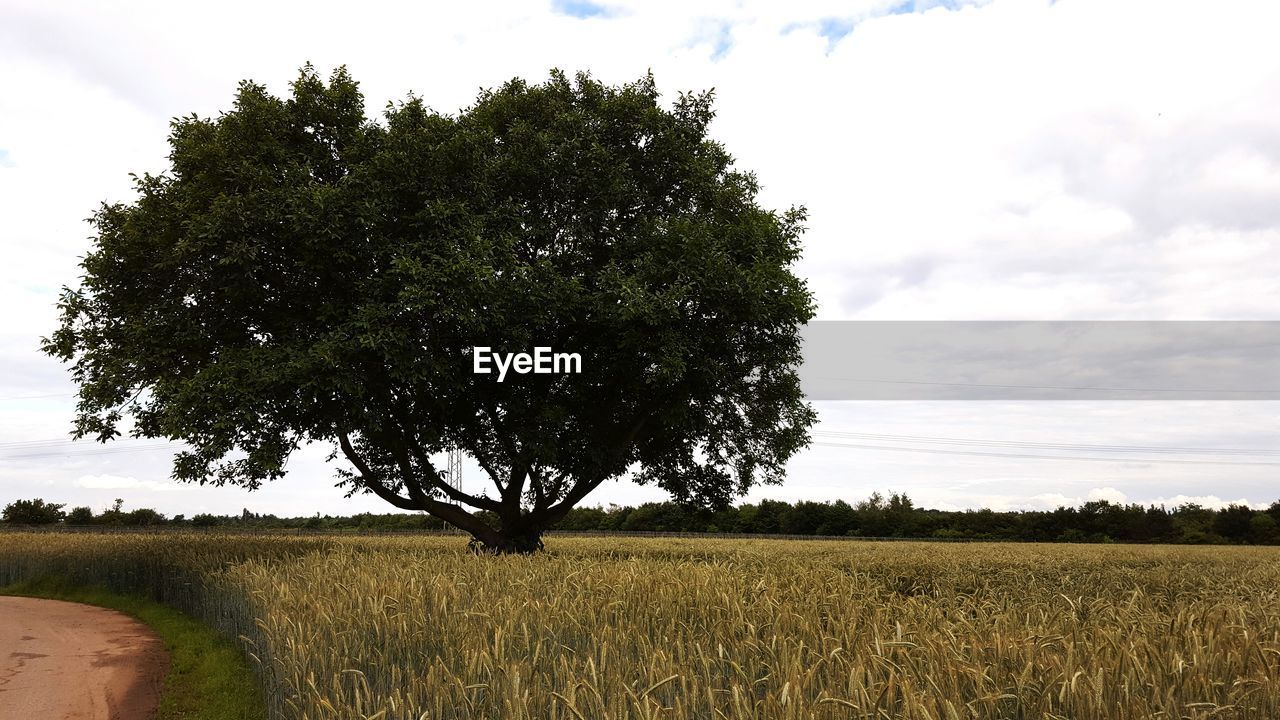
(37, 443)
(1044, 445)
(938, 451)
(100, 451)
(36, 397)
(1049, 387)
(50, 443)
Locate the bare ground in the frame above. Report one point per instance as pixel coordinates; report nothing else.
(76, 662)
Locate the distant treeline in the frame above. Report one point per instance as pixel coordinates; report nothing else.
(895, 516)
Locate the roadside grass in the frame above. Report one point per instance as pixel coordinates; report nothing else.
(208, 679)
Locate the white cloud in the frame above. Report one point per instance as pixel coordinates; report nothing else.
(1210, 501)
(1042, 501)
(1109, 494)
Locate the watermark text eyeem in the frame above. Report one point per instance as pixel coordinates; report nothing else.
(541, 362)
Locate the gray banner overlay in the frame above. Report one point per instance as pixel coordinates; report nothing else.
(1041, 360)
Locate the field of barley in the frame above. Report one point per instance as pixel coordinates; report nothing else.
(595, 628)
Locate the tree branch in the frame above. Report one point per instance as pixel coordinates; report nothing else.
(451, 514)
(474, 449)
(370, 479)
(515, 486)
(433, 476)
(503, 439)
(407, 475)
(536, 482)
(584, 487)
(441, 484)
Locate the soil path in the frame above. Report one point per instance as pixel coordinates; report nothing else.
(68, 661)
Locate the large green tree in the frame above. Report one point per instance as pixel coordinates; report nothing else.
(32, 512)
(302, 273)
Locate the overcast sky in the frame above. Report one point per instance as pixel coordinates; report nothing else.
(1003, 160)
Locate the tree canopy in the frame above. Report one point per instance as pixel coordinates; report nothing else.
(32, 512)
(302, 273)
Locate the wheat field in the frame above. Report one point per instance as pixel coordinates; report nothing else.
(416, 627)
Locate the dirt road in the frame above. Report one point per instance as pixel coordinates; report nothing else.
(64, 661)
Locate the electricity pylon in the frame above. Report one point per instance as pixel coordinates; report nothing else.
(455, 471)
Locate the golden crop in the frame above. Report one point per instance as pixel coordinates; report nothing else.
(416, 627)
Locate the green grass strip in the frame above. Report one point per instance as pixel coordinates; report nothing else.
(208, 677)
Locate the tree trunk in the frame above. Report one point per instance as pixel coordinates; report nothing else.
(523, 544)
(516, 536)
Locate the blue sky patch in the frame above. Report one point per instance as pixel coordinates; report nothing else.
(717, 33)
(834, 29)
(913, 6)
(723, 41)
(5, 160)
(579, 8)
